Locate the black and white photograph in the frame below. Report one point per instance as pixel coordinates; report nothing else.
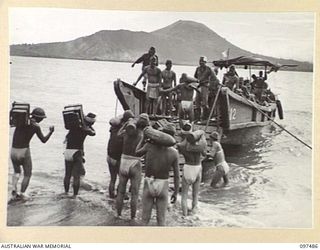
(158, 118)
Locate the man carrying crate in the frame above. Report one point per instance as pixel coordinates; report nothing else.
(20, 151)
(74, 152)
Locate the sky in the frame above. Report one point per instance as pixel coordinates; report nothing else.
(287, 35)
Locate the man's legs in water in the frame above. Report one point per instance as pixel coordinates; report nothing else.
(184, 196)
(77, 171)
(195, 192)
(135, 180)
(217, 175)
(121, 192)
(225, 179)
(114, 170)
(162, 204)
(15, 176)
(147, 204)
(27, 172)
(68, 174)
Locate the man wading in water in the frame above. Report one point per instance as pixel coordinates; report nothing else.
(115, 149)
(74, 153)
(159, 161)
(20, 151)
(222, 167)
(130, 164)
(192, 169)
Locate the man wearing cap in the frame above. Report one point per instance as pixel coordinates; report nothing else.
(145, 60)
(20, 151)
(168, 77)
(115, 148)
(153, 88)
(217, 154)
(130, 164)
(203, 74)
(74, 152)
(192, 169)
(159, 161)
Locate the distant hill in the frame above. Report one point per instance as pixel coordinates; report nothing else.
(183, 42)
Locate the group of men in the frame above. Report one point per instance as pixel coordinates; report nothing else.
(74, 154)
(161, 84)
(255, 90)
(128, 134)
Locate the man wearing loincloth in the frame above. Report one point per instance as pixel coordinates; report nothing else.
(115, 149)
(20, 151)
(217, 154)
(159, 161)
(145, 60)
(130, 164)
(153, 87)
(192, 169)
(168, 80)
(74, 153)
(185, 108)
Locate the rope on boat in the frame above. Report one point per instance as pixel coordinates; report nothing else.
(304, 143)
(213, 106)
(116, 110)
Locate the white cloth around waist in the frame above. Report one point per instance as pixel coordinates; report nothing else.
(156, 186)
(225, 166)
(128, 161)
(191, 172)
(186, 105)
(69, 153)
(18, 153)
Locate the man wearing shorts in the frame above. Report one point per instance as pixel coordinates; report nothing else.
(20, 151)
(153, 87)
(191, 171)
(203, 73)
(74, 153)
(159, 161)
(222, 167)
(130, 164)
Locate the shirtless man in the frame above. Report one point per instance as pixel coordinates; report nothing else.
(145, 60)
(20, 151)
(159, 161)
(191, 171)
(185, 109)
(115, 149)
(222, 167)
(168, 77)
(154, 80)
(130, 164)
(74, 153)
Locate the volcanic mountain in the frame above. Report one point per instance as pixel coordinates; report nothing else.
(182, 42)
